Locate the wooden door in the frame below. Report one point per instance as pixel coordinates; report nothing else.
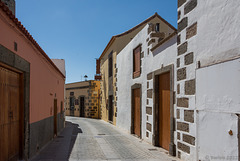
(72, 106)
(55, 117)
(10, 104)
(137, 112)
(82, 107)
(164, 110)
(110, 108)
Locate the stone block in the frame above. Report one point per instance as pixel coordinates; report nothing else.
(189, 139)
(150, 28)
(182, 24)
(179, 39)
(182, 102)
(178, 136)
(151, 41)
(190, 87)
(149, 76)
(149, 127)
(178, 113)
(178, 88)
(179, 155)
(178, 62)
(188, 59)
(149, 93)
(191, 31)
(182, 126)
(157, 34)
(181, 74)
(179, 15)
(181, 2)
(190, 6)
(183, 147)
(149, 110)
(189, 116)
(182, 48)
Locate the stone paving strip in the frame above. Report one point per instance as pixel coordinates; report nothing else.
(101, 141)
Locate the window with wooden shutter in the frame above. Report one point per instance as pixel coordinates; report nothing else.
(136, 62)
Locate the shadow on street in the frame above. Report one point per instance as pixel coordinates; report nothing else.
(61, 146)
(76, 130)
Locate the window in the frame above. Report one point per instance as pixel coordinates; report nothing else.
(110, 65)
(137, 62)
(157, 27)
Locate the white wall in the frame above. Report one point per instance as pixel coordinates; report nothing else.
(218, 101)
(164, 55)
(217, 32)
(217, 86)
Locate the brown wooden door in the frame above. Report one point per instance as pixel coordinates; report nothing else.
(82, 106)
(110, 108)
(164, 110)
(55, 117)
(137, 112)
(9, 115)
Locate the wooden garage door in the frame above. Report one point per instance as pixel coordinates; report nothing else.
(164, 110)
(9, 114)
(137, 111)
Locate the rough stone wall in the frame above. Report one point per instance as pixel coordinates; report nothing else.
(93, 95)
(186, 84)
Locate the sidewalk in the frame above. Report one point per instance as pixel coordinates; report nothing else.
(60, 147)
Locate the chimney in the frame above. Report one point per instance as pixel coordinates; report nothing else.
(10, 4)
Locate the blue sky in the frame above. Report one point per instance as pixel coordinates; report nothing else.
(79, 30)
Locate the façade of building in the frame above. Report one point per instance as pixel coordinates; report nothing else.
(31, 91)
(82, 99)
(108, 65)
(145, 82)
(208, 76)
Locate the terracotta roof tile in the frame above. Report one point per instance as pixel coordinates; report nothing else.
(26, 33)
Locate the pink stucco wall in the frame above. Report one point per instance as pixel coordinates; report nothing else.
(45, 80)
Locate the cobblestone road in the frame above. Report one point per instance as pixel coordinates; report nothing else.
(98, 140)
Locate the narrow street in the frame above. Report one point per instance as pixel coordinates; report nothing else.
(90, 139)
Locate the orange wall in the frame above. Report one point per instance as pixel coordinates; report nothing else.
(45, 81)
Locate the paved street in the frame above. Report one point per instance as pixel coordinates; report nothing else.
(90, 139)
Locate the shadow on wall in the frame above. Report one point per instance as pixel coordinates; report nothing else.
(165, 45)
(56, 149)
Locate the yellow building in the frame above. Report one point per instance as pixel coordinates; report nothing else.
(82, 99)
(108, 71)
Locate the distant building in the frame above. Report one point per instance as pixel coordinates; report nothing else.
(31, 91)
(82, 99)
